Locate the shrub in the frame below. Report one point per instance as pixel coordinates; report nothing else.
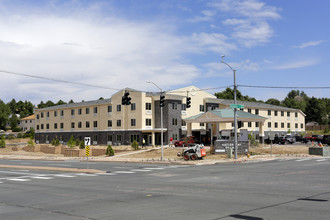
(71, 142)
(253, 140)
(19, 135)
(135, 145)
(77, 142)
(82, 145)
(55, 142)
(110, 151)
(2, 141)
(30, 142)
(326, 130)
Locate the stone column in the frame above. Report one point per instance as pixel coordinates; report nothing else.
(153, 138)
(189, 129)
(261, 132)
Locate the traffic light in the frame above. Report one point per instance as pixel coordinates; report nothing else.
(125, 100)
(239, 124)
(188, 102)
(162, 101)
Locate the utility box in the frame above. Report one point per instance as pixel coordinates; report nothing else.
(321, 151)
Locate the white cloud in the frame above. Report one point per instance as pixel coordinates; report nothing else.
(309, 44)
(207, 16)
(296, 64)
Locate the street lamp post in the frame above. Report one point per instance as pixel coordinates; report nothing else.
(161, 122)
(235, 109)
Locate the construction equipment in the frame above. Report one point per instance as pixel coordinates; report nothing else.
(195, 152)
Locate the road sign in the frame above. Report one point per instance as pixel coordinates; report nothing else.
(236, 106)
(271, 135)
(87, 141)
(87, 151)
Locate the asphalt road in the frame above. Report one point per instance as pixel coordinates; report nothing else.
(278, 189)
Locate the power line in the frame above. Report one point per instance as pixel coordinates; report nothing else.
(286, 87)
(57, 80)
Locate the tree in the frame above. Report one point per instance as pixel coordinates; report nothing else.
(314, 110)
(60, 102)
(273, 102)
(13, 121)
(4, 114)
(296, 99)
(71, 101)
(71, 143)
(229, 94)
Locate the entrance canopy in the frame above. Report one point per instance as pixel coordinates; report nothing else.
(225, 116)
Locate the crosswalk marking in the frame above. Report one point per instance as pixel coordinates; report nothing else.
(124, 172)
(154, 168)
(321, 160)
(304, 159)
(64, 175)
(42, 177)
(140, 170)
(21, 180)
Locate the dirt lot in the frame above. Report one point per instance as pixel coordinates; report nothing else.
(169, 153)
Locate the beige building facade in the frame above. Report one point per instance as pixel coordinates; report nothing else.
(107, 121)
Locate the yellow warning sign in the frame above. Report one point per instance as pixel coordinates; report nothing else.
(87, 151)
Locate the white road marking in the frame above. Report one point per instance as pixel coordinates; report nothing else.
(85, 174)
(21, 170)
(322, 160)
(304, 159)
(63, 175)
(42, 177)
(16, 179)
(123, 172)
(154, 168)
(61, 165)
(140, 170)
(107, 174)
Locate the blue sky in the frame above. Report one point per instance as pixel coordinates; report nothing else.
(172, 43)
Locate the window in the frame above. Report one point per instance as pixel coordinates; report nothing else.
(118, 123)
(175, 136)
(282, 113)
(184, 107)
(95, 110)
(201, 108)
(257, 111)
(87, 111)
(269, 112)
(109, 108)
(282, 125)
(276, 125)
(109, 123)
(296, 114)
(95, 124)
(79, 124)
(184, 123)
(42, 126)
(288, 125)
(257, 124)
(37, 127)
(47, 126)
(133, 106)
(249, 110)
(79, 111)
(62, 113)
(249, 124)
(37, 116)
(301, 125)
(72, 111)
(95, 137)
(201, 124)
(174, 106)
(72, 125)
(296, 125)
(118, 108)
(47, 114)
(62, 125)
(87, 124)
(55, 114)
(42, 114)
(275, 113)
(133, 122)
(109, 137)
(55, 126)
(118, 138)
(288, 114)
(174, 121)
(148, 121)
(148, 106)
(135, 137)
(269, 124)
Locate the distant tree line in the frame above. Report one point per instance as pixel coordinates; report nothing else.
(316, 109)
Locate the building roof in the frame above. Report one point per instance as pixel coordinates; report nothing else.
(79, 104)
(224, 115)
(31, 117)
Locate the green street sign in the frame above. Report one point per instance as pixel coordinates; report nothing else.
(236, 106)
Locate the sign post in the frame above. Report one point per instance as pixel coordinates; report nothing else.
(87, 144)
(271, 138)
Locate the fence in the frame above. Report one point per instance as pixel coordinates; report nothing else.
(316, 127)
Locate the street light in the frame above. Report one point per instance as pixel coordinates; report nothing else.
(161, 120)
(235, 109)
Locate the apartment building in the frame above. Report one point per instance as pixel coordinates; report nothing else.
(27, 123)
(107, 121)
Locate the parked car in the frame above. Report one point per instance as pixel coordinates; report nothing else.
(318, 138)
(308, 139)
(326, 139)
(290, 139)
(277, 140)
(184, 142)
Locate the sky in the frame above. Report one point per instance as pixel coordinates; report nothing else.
(116, 44)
